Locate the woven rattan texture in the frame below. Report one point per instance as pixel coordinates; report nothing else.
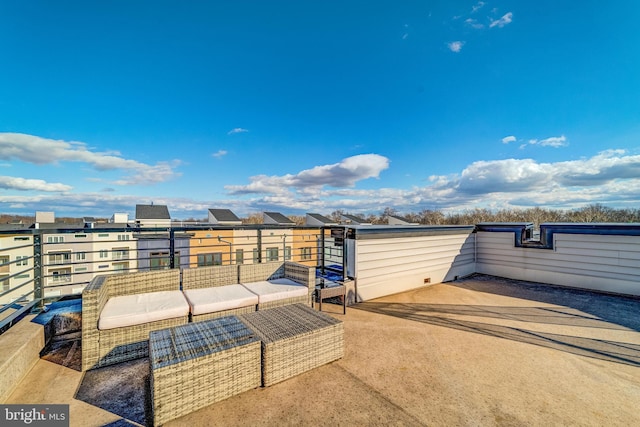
(295, 339)
(206, 277)
(285, 301)
(257, 272)
(198, 364)
(223, 313)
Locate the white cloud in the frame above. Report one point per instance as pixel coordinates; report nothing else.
(220, 153)
(343, 174)
(474, 23)
(508, 139)
(554, 141)
(237, 130)
(22, 184)
(610, 175)
(477, 6)
(455, 46)
(41, 151)
(506, 19)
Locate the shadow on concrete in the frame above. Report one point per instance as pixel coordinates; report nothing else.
(616, 309)
(122, 389)
(574, 308)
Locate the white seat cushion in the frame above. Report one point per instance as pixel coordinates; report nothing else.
(137, 309)
(277, 289)
(218, 298)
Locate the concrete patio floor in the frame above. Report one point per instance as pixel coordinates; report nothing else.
(478, 351)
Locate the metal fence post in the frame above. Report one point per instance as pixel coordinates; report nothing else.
(172, 249)
(38, 282)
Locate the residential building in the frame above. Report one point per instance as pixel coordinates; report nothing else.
(152, 216)
(223, 217)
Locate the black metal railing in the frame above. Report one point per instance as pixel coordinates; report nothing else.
(38, 265)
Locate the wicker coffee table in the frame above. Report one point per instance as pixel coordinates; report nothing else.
(295, 338)
(195, 365)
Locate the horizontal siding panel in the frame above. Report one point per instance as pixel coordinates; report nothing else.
(411, 246)
(388, 266)
(372, 270)
(584, 269)
(542, 257)
(593, 261)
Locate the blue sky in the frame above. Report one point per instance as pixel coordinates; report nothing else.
(308, 106)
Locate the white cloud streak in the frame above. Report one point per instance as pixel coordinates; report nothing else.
(506, 19)
(22, 184)
(42, 151)
(554, 141)
(477, 6)
(237, 130)
(474, 23)
(508, 139)
(220, 153)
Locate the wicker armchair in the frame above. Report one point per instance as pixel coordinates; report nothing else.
(106, 347)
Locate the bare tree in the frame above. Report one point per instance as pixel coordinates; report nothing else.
(254, 218)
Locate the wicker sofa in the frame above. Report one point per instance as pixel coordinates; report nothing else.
(193, 294)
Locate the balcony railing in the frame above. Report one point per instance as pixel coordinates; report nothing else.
(40, 265)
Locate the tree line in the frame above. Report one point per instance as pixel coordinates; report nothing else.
(537, 215)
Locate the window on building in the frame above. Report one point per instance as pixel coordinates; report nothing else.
(239, 256)
(255, 256)
(79, 236)
(120, 267)
(205, 259)
(210, 259)
(55, 239)
(217, 258)
(123, 237)
(61, 276)
(287, 253)
(120, 253)
(5, 284)
(22, 260)
(81, 256)
(306, 253)
(59, 257)
(159, 261)
(104, 253)
(4, 263)
(272, 254)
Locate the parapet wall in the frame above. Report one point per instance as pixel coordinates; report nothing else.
(601, 257)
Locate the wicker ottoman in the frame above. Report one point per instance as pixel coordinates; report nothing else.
(295, 338)
(195, 365)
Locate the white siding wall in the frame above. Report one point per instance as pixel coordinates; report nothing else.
(390, 265)
(604, 263)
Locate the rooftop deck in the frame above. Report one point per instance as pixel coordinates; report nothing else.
(477, 351)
